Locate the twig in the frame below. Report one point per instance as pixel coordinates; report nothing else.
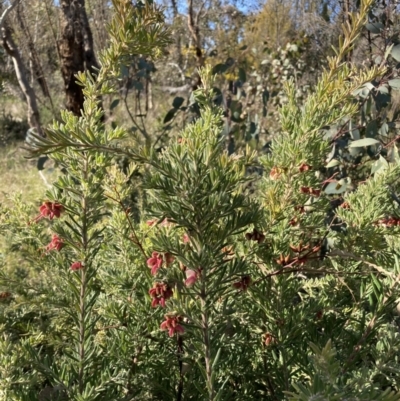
(143, 132)
(180, 363)
(135, 240)
(6, 12)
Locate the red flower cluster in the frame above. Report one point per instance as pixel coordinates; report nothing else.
(389, 222)
(304, 167)
(243, 284)
(56, 243)
(311, 191)
(5, 295)
(345, 205)
(275, 173)
(300, 209)
(50, 210)
(155, 262)
(76, 266)
(160, 293)
(164, 223)
(171, 323)
(255, 236)
(283, 260)
(191, 277)
(269, 339)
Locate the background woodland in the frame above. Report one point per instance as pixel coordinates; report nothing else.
(211, 205)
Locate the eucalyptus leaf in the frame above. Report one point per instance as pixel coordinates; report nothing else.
(41, 162)
(363, 142)
(354, 132)
(371, 129)
(177, 102)
(335, 188)
(333, 163)
(170, 115)
(394, 83)
(242, 75)
(114, 104)
(388, 51)
(331, 154)
(393, 154)
(384, 129)
(383, 89)
(395, 52)
(375, 27)
(378, 60)
(220, 68)
(379, 166)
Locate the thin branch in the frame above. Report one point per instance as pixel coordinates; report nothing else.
(134, 238)
(180, 70)
(7, 11)
(134, 122)
(173, 90)
(193, 26)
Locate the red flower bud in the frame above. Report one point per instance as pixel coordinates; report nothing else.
(160, 293)
(155, 262)
(304, 167)
(191, 277)
(50, 210)
(275, 173)
(56, 243)
(243, 283)
(76, 266)
(171, 323)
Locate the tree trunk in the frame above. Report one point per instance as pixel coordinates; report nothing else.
(35, 64)
(91, 63)
(178, 36)
(76, 50)
(23, 80)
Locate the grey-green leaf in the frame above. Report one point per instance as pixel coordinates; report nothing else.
(363, 142)
(379, 166)
(242, 75)
(220, 68)
(170, 115)
(177, 102)
(394, 83)
(375, 27)
(395, 52)
(114, 104)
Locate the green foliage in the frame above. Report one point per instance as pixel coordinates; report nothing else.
(11, 129)
(231, 276)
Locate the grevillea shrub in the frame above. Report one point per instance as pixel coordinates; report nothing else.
(233, 285)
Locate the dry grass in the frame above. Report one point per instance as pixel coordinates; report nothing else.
(19, 175)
